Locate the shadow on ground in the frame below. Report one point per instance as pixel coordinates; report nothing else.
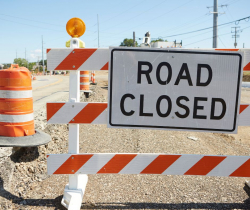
(25, 154)
(245, 205)
(56, 203)
(165, 206)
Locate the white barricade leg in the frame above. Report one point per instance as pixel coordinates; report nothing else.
(247, 183)
(72, 198)
(74, 191)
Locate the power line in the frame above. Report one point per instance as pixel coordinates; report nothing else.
(135, 16)
(202, 33)
(212, 37)
(119, 13)
(206, 39)
(122, 12)
(178, 27)
(235, 21)
(30, 25)
(222, 42)
(157, 17)
(31, 20)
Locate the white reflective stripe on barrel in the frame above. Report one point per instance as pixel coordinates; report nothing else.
(84, 83)
(16, 118)
(15, 93)
(84, 75)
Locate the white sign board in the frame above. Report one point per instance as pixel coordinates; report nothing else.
(174, 89)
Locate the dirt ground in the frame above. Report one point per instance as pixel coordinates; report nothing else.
(24, 183)
(246, 77)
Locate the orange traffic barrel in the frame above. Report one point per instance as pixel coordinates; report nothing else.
(93, 78)
(84, 80)
(16, 103)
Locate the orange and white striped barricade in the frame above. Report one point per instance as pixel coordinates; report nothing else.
(74, 113)
(246, 60)
(165, 164)
(82, 59)
(146, 163)
(98, 58)
(245, 51)
(96, 113)
(16, 109)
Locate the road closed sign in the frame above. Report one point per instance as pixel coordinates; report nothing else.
(174, 89)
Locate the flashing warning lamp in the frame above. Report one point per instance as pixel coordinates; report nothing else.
(75, 27)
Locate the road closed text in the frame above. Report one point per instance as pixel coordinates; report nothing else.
(174, 89)
(184, 106)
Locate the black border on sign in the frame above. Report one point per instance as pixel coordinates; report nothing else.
(171, 127)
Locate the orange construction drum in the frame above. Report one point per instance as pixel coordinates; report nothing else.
(16, 103)
(84, 80)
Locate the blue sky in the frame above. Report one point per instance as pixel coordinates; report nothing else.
(23, 23)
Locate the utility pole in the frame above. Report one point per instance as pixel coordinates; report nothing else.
(42, 56)
(235, 36)
(98, 29)
(215, 21)
(215, 32)
(134, 38)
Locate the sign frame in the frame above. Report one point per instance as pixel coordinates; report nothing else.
(237, 102)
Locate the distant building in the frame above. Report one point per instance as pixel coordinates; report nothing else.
(166, 44)
(146, 42)
(1, 66)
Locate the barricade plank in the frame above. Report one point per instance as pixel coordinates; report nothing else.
(78, 59)
(146, 163)
(96, 113)
(98, 58)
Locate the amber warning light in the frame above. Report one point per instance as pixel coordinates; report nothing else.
(75, 27)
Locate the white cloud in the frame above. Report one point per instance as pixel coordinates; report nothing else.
(35, 54)
(38, 51)
(32, 55)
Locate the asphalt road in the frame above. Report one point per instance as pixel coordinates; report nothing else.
(245, 84)
(49, 89)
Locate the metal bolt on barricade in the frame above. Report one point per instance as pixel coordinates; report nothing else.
(16, 110)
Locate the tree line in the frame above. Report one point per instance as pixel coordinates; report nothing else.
(130, 43)
(29, 65)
